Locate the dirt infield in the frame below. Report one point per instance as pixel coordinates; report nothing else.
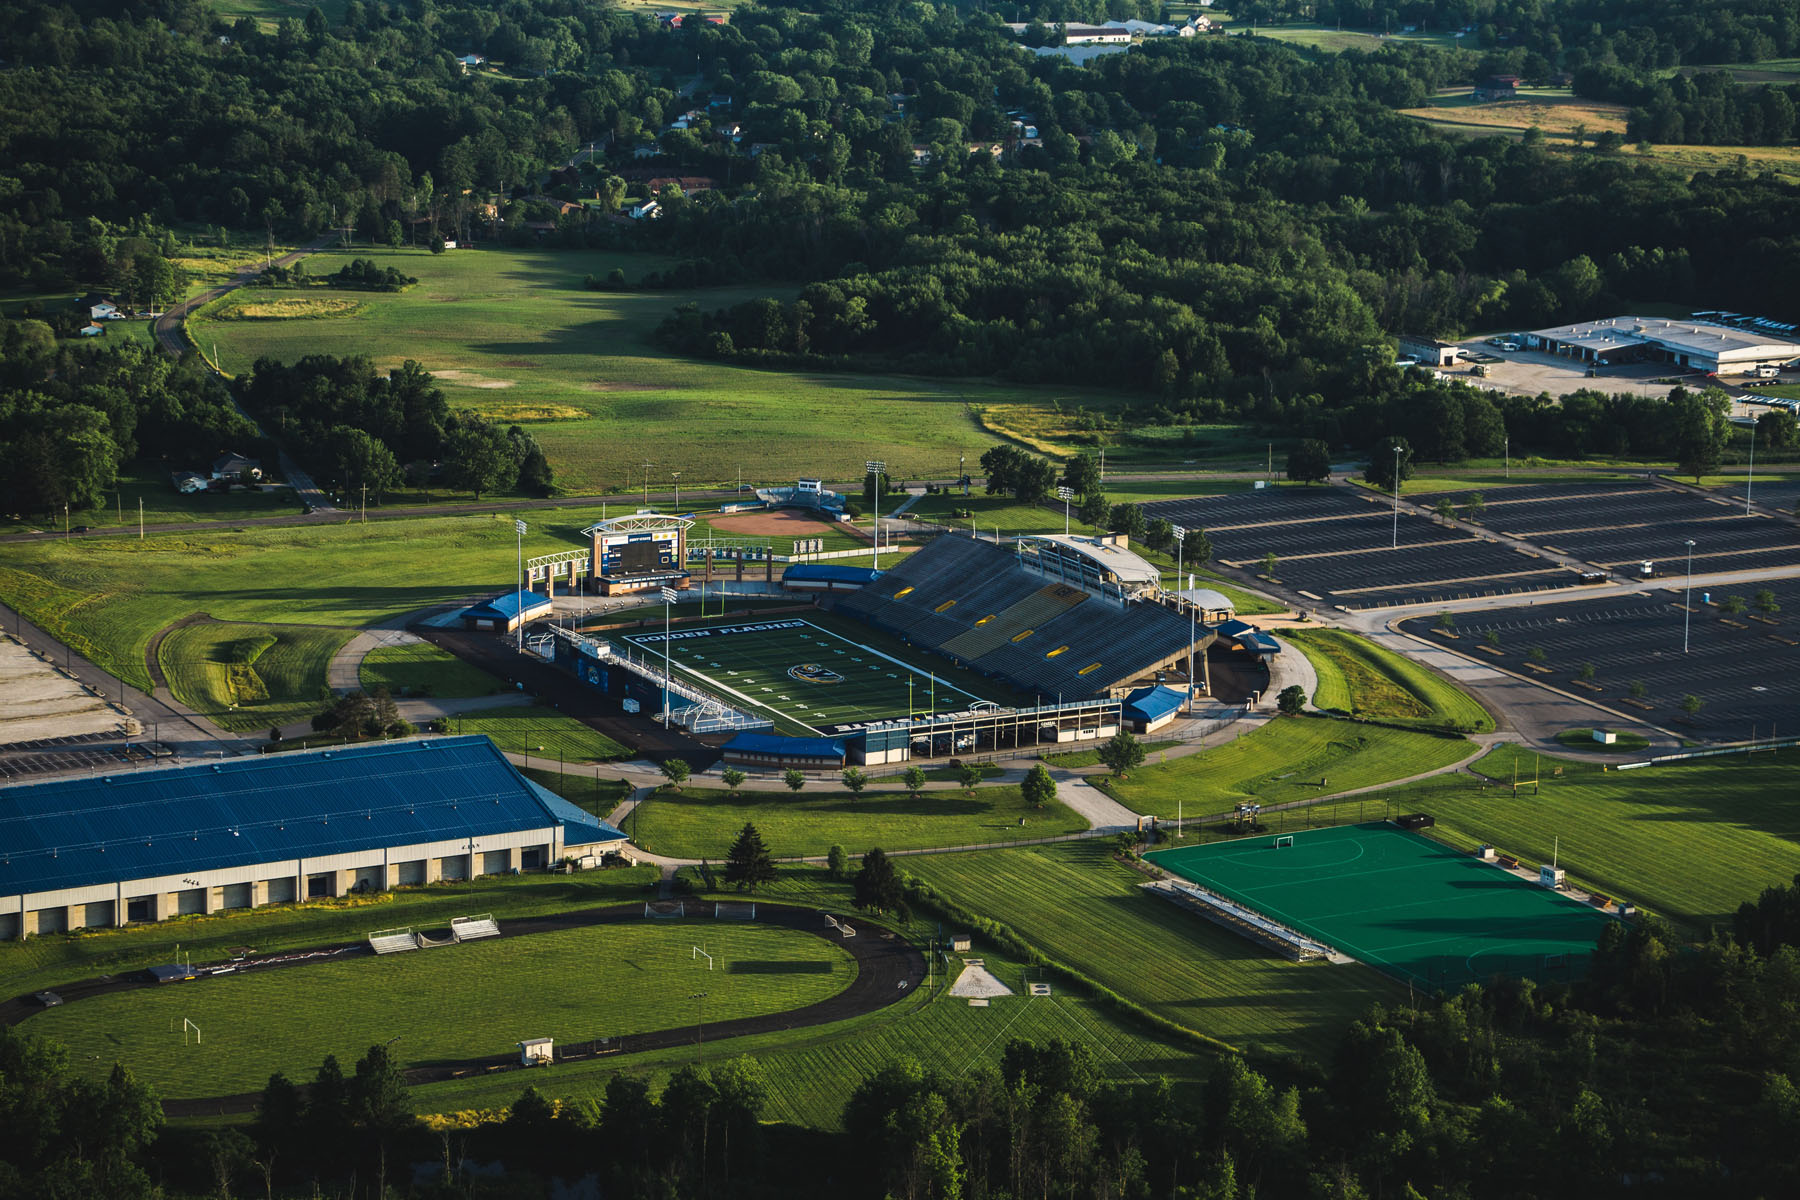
(781, 522)
(888, 969)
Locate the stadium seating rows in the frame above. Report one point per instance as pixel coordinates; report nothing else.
(936, 597)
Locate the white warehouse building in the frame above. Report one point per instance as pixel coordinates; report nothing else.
(1697, 345)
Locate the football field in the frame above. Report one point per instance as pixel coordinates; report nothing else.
(807, 679)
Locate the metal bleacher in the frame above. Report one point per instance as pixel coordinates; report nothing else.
(468, 928)
(1125, 642)
(997, 630)
(393, 941)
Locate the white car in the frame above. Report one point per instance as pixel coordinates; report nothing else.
(1508, 347)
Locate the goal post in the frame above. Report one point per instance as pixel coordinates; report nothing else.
(1286, 839)
(699, 954)
(187, 1027)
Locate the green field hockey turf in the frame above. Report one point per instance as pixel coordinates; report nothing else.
(1423, 912)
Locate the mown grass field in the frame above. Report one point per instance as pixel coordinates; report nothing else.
(703, 822)
(536, 730)
(1358, 677)
(48, 962)
(1625, 742)
(464, 1001)
(247, 677)
(421, 669)
(497, 325)
(1690, 841)
(1284, 761)
(1075, 904)
(1553, 110)
(108, 596)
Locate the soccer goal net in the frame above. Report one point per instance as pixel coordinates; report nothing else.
(664, 910)
(1285, 840)
(726, 910)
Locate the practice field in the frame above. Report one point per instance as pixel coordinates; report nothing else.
(465, 1001)
(805, 677)
(1436, 917)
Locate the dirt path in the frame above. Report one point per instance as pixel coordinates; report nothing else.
(888, 969)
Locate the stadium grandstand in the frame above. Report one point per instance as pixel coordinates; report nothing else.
(161, 842)
(1039, 619)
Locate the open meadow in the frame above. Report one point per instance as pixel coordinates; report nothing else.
(467, 1000)
(515, 335)
(1554, 110)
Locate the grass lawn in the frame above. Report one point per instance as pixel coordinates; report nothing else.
(210, 265)
(148, 483)
(108, 596)
(587, 788)
(58, 959)
(421, 669)
(1077, 905)
(1583, 739)
(703, 822)
(1284, 761)
(1689, 840)
(537, 730)
(497, 325)
(247, 677)
(1357, 676)
(461, 1001)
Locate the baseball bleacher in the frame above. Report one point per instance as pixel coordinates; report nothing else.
(974, 603)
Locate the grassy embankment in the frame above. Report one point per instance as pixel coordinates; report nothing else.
(421, 669)
(1360, 678)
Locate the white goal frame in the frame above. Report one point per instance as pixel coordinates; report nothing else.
(1284, 840)
(187, 1025)
(699, 954)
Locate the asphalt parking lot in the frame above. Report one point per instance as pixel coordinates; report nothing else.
(1619, 525)
(95, 753)
(1338, 547)
(1777, 491)
(1527, 373)
(1745, 669)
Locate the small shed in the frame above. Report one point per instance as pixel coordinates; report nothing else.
(1150, 708)
(537, 1052)
(961, 943)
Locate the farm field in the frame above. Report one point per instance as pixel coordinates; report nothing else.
(1553, 110)
(421, 669)
(535, 729)
(703, 822)
(1079, 907)
(1282, 762)
(1690, 840)
(807, 678)
(463, 1001)
(246, 677)
(48, 962)
(1336, 41)
(1358, 677)
(494, 325)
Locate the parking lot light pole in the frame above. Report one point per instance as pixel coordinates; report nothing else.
(1687, 599)
(1750, 482)
(1396, 497)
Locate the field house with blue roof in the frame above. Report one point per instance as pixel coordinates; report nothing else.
(154, 843)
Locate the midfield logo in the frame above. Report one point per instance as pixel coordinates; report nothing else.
(814, 673)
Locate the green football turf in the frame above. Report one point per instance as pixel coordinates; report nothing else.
(462, 1001)
(1427, 914)
(764, 665)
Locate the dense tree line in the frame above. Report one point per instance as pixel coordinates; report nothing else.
(380, 429)
(1710, 108)
(72, 416)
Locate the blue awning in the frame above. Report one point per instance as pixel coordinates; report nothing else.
(1152, 703)
(506, 606)
(786, 747)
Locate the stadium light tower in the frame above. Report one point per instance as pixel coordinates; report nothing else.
(519, 538)
(668, 598)
(1180, 534)
(1396, 495)
(875, 467)
(1065, 495)
(1687, 598)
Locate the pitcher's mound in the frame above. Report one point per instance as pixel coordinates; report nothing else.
(977, 982)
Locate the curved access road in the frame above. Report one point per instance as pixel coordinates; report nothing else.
(888, 969)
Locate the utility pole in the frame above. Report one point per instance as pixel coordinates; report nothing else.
(365, 504)
(140, 518)
(647, 465)
(1687, 598)
(676, 475)
(1750, 484)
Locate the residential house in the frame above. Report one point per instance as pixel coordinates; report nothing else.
(233, 466)
(105, 310)
(921, 156)
(470, 62)
(1497, 87)
(187, 482)
(649, 210)
(92, 330)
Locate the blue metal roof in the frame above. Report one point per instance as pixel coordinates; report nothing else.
(1248, 637)
(505, 607)
(829, 573)
(787, 747)
(580, 827)
(1153, 703)
(129, 824)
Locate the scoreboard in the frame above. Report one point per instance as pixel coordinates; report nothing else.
(639, 552)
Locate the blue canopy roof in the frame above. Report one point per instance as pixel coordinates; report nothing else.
(136, 824)
(580, 827)
(829, 573)
(1153, 703)
(1248, 637)
(786, 747)
(505, 607)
